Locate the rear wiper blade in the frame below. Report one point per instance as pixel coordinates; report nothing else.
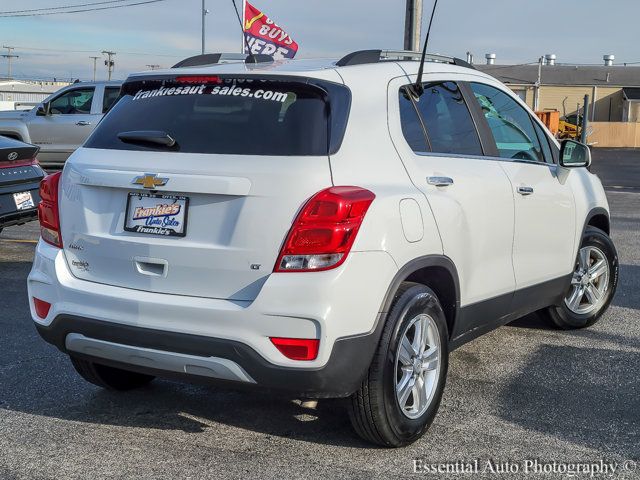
(157, 137)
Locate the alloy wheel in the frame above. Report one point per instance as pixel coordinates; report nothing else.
(418, 366)
(589, 283)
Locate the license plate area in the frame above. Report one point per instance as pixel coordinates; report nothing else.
(23, 201)
(156, 214)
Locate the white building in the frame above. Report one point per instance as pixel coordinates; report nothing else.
(17, 94)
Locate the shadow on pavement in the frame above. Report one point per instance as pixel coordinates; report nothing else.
(165, 405)
(571, 393)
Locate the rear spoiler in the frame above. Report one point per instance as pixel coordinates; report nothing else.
(209, 59)
(13, 150)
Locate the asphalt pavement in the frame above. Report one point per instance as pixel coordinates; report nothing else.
(523, 392)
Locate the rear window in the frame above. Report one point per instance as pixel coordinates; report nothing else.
(239, 116)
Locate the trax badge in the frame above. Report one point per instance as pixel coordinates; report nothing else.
(150, 180)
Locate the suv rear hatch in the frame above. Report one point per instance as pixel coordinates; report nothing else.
(190, 184)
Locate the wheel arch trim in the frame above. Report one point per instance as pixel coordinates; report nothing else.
(413, 266)
(596, 212)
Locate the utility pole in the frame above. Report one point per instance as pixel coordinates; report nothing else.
(413, 25)
(154, 66)
(95, 60)
(204, 14)
(536, 97)
(9, 56)
(109, 62)
(585, 120)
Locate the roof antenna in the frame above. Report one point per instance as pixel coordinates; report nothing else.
(417, 89)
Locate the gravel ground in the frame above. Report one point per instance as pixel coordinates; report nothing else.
(523, 392)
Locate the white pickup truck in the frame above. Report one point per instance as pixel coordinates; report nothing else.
(61, 123)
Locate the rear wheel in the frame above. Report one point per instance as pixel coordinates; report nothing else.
(593, 283)
(109, 377)
(400, 395)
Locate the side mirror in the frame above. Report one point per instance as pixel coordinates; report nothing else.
(43, 110)
(574, 154)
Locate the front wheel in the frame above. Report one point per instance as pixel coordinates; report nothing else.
(593, 283)
(400, 395)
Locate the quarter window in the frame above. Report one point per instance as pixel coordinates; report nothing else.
(411, 125)
(73, 102)
(544, 141)
(510, 124)
(111, 94)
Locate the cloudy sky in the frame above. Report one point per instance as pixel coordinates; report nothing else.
(519, 31)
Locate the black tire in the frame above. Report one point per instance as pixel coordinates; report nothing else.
(561, 316)
(109, 377)
(374, 410)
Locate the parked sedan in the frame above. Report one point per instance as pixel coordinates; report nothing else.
(20, 176)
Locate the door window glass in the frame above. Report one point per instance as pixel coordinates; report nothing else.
(73, 102)
(447, 120)
(510, 123)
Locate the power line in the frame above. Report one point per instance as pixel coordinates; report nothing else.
(40, 14)
(62, 7)
(64, 51)
(54, 50)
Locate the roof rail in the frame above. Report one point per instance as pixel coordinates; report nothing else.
(210, 59)
(362, 57)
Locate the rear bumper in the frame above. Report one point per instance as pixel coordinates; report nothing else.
(341, 308)
(206, 359)
(18, 218)
(9, 214)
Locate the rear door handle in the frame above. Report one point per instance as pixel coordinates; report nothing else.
(525, 191)
(440, 181)
(83, 123)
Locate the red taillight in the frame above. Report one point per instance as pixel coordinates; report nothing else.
(48, 213)
(19, 163)
(324, 231)
(42, 308)
(199, 79)
(303, 349)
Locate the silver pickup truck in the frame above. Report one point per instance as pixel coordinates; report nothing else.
(61, 123)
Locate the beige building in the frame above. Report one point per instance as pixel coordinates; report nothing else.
(614, 91)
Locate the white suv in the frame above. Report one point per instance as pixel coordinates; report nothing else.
(325, 228)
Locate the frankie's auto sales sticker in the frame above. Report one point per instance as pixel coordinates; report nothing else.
(224, 88)
(23, 201)
(164, 215)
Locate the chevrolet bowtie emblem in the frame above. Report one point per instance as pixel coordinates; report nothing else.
(150, 180)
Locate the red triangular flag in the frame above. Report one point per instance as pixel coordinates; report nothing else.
(265, 37)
